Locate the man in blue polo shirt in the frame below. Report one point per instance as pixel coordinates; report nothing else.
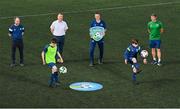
(16, 32)
(97, 22)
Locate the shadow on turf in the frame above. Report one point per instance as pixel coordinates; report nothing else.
(23, 79)
(75, 60)
(175, 62)
(113, 62)
(160, 81)
(14, 76)
(106, 61)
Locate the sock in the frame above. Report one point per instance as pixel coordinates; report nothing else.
(134, 77)
(56, 76)
(136, 65)
(154, 59)
(159, 60)
(51, 79)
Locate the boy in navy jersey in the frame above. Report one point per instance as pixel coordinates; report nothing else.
(16, 32)
(130, 56)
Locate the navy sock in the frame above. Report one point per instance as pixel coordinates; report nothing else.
(51, 79)
(134, 77)
(56, 76)
(136, 65)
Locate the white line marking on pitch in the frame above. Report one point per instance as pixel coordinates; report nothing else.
(92, 10)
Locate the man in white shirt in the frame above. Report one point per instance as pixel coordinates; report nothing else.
(58, 29)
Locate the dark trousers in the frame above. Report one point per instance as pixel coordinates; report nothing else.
(92, 48)
(17, 44)
(60, 43)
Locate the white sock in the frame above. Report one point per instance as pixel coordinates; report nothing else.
(159, 60)
(154, 59)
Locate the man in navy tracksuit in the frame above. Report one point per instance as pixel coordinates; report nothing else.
(97, 22)
(16, 32)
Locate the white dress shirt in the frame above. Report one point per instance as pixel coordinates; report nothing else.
(59, 28)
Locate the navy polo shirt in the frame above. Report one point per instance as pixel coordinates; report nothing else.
(16, 31)
(101, 24)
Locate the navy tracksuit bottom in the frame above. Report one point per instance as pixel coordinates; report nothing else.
(17, 44)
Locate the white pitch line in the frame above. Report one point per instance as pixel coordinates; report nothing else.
(92, 10)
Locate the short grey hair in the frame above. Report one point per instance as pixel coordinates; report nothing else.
(16, 17)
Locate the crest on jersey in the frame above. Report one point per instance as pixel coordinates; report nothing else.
(157, 25)
(97, 33)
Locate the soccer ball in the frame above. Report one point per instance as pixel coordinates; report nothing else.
(62, 69)
(144, 53)
(97, 34)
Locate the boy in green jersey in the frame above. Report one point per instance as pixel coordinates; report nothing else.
(155, 29)
(49, 57)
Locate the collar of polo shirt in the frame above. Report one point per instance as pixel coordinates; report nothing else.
(60, 21)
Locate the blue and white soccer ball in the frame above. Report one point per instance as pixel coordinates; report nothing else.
(62, 69)
(144, 53)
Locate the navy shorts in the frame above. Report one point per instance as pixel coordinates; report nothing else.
(50, 65)
(130, 60)
(155, 44)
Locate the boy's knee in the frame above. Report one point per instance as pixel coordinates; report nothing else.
(54, 69)
(134, 70)
(134, 60)
(159, 50)
(153, 49)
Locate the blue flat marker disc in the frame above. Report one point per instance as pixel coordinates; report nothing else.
(86, 86)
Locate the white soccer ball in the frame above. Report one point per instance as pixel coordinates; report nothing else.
(62, 69)
(97, 34)
(144, 53)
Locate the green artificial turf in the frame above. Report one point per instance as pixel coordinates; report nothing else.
(28, 86)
